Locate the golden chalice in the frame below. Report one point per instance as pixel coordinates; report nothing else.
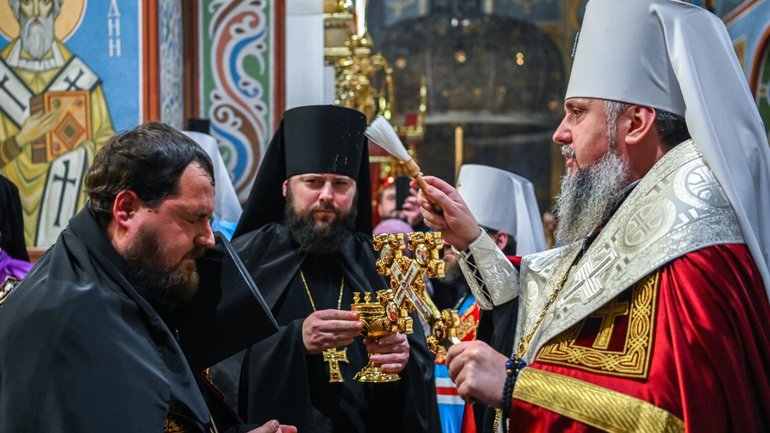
(380, 318)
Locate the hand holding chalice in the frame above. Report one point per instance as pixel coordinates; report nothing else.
(379, 318)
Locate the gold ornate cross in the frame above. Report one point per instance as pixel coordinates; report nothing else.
(407, 281)
(334, 357)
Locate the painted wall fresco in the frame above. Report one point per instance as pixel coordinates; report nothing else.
(750, 32)
(63, 66)
(236, 82)
(724, 8)
(171, 63)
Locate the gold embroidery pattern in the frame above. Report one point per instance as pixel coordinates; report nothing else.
(607, 314)
(172, 427)
(593, 405)
(633, 361)
(467, 324)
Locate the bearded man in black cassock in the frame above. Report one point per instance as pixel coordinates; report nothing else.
(305, 236)
(92, 340)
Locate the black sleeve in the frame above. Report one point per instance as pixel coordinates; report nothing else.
(11, 221)
(497, 328)
(420, 405)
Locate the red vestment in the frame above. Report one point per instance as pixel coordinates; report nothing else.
(705, 358)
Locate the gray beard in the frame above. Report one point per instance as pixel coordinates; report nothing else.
(588, 197)
(37, 38)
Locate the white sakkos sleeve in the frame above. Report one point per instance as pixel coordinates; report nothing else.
(490, 275)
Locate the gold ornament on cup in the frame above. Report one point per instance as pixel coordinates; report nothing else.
(380, 318)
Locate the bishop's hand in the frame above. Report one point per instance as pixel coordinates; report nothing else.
(274, 426)
(326, 329)
(390, 352)
(456, 222)
(478, 371)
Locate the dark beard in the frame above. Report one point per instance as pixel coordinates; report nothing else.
(451, 271)
(168, 287)
(326, 239)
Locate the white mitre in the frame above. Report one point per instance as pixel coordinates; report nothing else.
(227, 207)
(679, 58)
(503, 201)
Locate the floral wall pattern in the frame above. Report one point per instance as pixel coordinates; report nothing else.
(236, 79)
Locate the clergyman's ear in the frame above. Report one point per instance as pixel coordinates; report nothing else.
(501, 239)
(641, 121)
(285, 187)
(125, 207)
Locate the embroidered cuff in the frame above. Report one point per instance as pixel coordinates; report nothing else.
(490, 275)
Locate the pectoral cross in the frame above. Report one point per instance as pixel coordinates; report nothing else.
(608, 314)
(334, 357)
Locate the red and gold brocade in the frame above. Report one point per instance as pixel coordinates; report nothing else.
(693, 342)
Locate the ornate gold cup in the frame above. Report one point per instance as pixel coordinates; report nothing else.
(375, 316)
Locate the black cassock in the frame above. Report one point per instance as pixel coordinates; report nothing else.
(11, 221)
(82, 351)
(281, 380)
(498, 329)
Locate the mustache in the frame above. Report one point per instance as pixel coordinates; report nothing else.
(37, 35)
(567, 151)
(196, 253)
(325, 206)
